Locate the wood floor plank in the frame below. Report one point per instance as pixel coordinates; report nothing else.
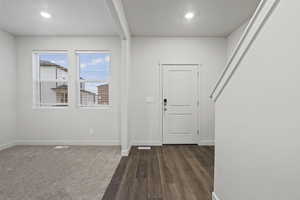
(141, 176)
(176, 173)
(201, 182)
(112, 189)
(203, 165)
(127, 189)
(154, 180)
(170, 172)
(166, 178)
(191, 189)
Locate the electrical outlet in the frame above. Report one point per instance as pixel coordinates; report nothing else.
(91, 131)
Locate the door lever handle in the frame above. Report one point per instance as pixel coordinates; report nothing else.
(165, 104)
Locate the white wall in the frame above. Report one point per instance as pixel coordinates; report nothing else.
(234, 37)
(7, 89)
(144, 82)
(257, 116)
(71, 125)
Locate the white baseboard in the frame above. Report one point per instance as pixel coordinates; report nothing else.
(125, 152)
(158, 143)
(146, 143)
(214, 196)
(206, 143)
(69, 142)
(6, 146)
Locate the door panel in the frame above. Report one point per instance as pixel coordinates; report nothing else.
(180, 113)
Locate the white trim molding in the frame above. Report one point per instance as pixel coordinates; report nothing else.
(125, 152)
(146, 143)
(117, 12)
(6, 146)
(215, 197)
(69, 142)
(262, 13)
(124, 118)
(116, 9)
(206, 143)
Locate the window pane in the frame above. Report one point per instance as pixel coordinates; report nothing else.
(94, 66)
(53, 66)
(94, 93)
(51, 79)
(53, 93)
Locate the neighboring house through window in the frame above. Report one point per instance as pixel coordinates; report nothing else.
(94, 78)
(50, 79)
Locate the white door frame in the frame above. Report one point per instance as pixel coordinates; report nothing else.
(160, 97)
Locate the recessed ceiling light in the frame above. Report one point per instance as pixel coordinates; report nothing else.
(45, 14)
(189, 15)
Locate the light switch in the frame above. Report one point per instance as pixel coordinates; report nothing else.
(149, 99)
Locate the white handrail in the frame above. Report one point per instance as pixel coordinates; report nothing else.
(256, 22)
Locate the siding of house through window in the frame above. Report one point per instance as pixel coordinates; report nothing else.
(53, 86)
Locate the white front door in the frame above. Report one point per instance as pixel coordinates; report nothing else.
(180, 104)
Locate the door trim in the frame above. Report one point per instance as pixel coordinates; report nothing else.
(160, 97)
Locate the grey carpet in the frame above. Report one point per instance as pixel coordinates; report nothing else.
(45, 173)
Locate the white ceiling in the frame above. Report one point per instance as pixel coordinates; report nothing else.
(69, 17)
(145, 17)
(166, 17)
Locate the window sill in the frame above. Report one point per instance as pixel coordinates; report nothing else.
(102, 107)
(50, 108)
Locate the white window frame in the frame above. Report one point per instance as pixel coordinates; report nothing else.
(109, 81)
(36, 79)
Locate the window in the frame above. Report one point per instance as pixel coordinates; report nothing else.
(94, 78)
(50, 79)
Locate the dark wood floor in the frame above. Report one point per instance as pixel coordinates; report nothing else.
(171, 172)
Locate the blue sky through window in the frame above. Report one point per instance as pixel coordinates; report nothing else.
(58, 58)
(94, 66)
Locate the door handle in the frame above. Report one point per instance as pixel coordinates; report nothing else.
(165, 104)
